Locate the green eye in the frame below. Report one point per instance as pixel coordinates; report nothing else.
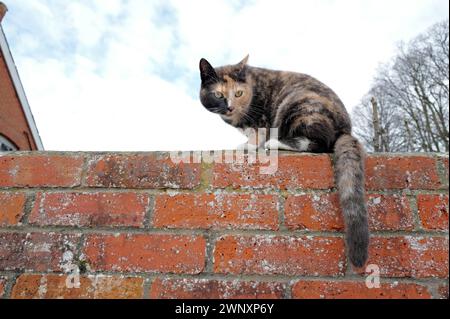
(238, 93)
(218, 94)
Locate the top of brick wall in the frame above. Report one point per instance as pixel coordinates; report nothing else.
(155, 170)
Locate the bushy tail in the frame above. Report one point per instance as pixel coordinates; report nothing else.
(349, 170)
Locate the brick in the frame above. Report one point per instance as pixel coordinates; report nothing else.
(287, 255)
(445, 162)
(36, 251)
(401, 172)
(433, 211)
(235, 211)
(54, 286)
(214, 289)
(321, 212)
(141, 171)
(389, 212)
(3, 281)
(294, 172)
(318, 212)
(357, 290)
(11, 208)
(146, 252)
(410, 256)
(40, 171)
(90, 209)
(443, 291)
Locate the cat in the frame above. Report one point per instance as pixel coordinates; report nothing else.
(309, 117)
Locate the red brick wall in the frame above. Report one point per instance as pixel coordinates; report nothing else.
(139, 226)
(13, 123)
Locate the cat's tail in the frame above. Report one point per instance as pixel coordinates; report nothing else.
(349, 171)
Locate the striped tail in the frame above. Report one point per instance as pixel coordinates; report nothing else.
(349, 171)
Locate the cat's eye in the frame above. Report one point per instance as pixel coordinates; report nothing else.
(238, 93)
(218, 94)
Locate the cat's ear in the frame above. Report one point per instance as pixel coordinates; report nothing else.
(207, 72)
(243, 62)
(241, 69)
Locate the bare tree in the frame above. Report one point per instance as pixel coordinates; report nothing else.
(412, 96)
(390, 136)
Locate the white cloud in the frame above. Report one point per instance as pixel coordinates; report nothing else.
(122, 113)
(91, 69)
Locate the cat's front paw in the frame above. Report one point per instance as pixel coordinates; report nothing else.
(272, 144)
(246, 147)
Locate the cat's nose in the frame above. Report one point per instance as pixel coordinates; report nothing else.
(230, 108)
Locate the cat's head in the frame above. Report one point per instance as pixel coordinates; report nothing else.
(226, 90)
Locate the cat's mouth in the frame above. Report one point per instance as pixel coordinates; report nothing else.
(226, 113)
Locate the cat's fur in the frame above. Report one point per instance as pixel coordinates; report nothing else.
(310, 118)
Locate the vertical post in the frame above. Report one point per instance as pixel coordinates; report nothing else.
(376, 125)
(409, 147)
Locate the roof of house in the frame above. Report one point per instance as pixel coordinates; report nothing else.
(4, 47)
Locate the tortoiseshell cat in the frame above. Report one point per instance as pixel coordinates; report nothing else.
(310, 118)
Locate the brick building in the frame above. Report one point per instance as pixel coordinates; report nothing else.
(18, 129)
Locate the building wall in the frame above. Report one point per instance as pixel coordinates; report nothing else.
(13, 123)
(138, 225)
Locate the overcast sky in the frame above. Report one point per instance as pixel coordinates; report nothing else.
(123, 74)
